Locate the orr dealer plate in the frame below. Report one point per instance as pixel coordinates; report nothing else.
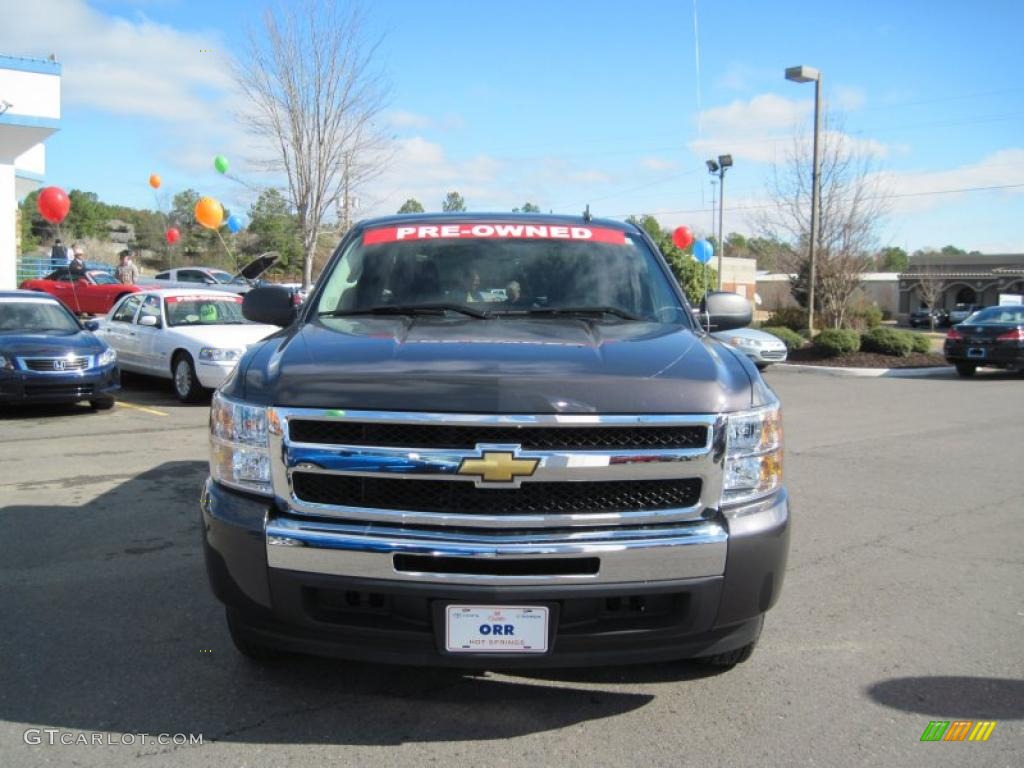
(496, 629)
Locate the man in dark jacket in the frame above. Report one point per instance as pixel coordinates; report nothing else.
(58, 255)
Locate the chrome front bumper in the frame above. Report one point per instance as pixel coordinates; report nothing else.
(625, 555)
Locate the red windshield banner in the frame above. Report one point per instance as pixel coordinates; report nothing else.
(470, 231)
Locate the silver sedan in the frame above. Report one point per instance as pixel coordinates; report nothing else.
(762, 348)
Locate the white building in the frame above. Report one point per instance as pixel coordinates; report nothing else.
(29, 113)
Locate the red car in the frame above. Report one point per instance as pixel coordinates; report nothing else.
(93, 293)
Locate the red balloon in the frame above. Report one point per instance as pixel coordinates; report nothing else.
(53, 204)
(172, 235)
(682, 237)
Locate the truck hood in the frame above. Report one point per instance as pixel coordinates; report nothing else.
(499, 365)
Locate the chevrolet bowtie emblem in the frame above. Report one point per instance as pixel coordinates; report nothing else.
(498, 467)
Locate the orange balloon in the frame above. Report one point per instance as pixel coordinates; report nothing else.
(154, 180)
(209, 213)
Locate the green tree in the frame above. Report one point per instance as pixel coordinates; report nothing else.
(273, 226)
(88, 216)
(892, 259)
(34, 229)
(412, 205)
(689, 273)
(527, 208)
(453, 202)
(197, 242)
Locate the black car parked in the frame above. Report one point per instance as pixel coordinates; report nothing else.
(48, 356)
(994, 337)
(923, 317)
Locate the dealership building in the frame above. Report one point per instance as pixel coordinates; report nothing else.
(29, 114)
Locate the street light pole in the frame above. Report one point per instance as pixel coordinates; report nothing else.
(718, 168)
(805, 75)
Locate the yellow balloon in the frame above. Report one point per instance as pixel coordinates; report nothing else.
(209, 213)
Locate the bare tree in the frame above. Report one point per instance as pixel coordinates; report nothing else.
(314, 91)
(852, 208)
(931, 287)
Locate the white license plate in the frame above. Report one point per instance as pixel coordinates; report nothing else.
(975, 352)
(496, 629)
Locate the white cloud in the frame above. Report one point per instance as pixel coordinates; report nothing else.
(763, 129)
(402, 119)
(658, 164)
(918, 191)
(848, 98)
(128, 67)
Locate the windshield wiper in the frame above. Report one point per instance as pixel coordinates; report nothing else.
(570, 311)
(437, 308)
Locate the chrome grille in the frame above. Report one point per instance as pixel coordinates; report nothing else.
(407, 469)
(465, 498)
(55, 364)
(468, 437)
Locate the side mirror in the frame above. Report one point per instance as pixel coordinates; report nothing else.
(725, 311)
(150, 321)
(271, 305)
(91, 325)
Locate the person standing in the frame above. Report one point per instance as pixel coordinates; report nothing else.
(126, 270)
(58, 255)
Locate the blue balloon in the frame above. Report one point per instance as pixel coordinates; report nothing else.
(234, 223)
(703, 251)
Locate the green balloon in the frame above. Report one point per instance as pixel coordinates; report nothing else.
(220, 163)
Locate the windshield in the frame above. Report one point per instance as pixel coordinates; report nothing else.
(1001, 315)
(497, 269)
(17, 315)
(102, 278)
(221, 277)
(204, 310)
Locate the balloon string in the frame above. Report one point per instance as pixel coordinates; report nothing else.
(222, 242)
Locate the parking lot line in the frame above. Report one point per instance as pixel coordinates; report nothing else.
(142, 408)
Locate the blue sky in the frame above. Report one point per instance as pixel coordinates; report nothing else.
(565, 103)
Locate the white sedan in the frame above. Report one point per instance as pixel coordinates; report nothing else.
(762, 348)
(194, 337)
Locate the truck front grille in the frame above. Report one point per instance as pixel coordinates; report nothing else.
(461, 497)
(558, 438)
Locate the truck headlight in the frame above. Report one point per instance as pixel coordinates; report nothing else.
(239, 452)
(217, 355)
(107, 357)
(753, 458)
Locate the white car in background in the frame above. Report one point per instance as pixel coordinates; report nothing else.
(762, 348)
(194, 337)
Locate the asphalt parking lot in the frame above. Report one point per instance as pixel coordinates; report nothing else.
(903, 603)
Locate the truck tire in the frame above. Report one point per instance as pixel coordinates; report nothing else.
(183, 376)
(247, 646)
(966, 370)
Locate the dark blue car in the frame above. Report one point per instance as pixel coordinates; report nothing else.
(48, 356)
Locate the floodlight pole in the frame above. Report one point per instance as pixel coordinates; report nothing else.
(805, 75)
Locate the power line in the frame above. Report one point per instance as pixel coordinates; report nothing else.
(761, 206)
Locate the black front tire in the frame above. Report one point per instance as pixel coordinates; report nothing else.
(966, 370)
(249, 647)
(102, 403)
(183, 376)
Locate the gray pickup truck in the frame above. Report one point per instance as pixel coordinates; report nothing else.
(496, 441)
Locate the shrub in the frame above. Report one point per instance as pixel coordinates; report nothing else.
(887, 341)
(793, 318)
(921, 343)
(866, 316)
(806, 333)
(834, 342)
(791, 339)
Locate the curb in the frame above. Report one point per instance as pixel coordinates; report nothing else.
(868, 373)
